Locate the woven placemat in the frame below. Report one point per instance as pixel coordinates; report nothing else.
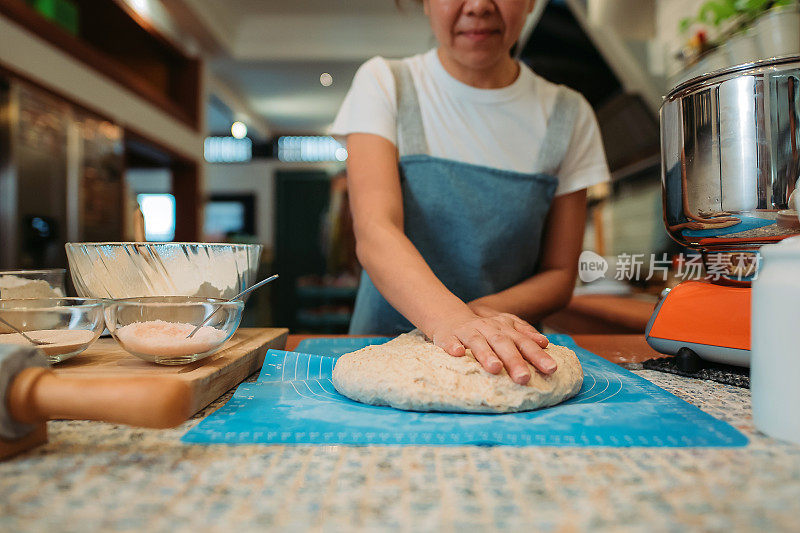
(731, 375)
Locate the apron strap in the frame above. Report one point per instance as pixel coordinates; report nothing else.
(411, 138)
(559, 131)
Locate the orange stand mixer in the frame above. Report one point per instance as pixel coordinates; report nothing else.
(730, 159)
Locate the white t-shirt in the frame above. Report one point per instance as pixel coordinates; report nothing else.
(497, 128)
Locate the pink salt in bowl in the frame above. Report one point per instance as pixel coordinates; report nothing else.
(156, 328)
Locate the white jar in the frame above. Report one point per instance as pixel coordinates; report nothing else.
(775, 343)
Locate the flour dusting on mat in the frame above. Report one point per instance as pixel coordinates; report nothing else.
(161, 338)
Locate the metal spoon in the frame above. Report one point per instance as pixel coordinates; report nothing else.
(32, 341)
(237, 297)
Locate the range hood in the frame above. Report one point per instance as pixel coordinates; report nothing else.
(562, 46)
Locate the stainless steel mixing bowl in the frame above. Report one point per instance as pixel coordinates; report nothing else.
(135, 269)
(730, 143)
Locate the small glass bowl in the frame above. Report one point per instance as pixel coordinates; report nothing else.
(24, 284)
(155, 328)
(68, 325)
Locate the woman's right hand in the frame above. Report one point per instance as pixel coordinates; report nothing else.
(496, 342)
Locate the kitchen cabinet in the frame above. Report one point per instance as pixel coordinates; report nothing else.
(307, 298)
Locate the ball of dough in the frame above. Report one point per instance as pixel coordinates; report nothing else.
(411, 373)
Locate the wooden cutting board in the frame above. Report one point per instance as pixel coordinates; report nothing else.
(208, 378)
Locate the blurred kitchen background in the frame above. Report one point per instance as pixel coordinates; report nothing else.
(210, 116)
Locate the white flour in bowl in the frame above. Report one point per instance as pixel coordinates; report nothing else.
(60, 341)
(163, 339)
(18, 287)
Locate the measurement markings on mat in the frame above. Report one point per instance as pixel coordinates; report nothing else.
(614, 408)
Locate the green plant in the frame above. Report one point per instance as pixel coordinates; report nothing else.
(715, 12)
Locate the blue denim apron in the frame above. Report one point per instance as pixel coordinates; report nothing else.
(478, 228)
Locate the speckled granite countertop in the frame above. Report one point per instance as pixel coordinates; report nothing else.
(93, 476)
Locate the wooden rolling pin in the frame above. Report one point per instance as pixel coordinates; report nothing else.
(34, 394)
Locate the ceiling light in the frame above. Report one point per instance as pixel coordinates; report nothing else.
(326, 79)
(142, 7)
(239, 130)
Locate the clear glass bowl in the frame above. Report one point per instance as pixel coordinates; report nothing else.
(45, 283)
(135, 269)
(68, 325)
(155, 328)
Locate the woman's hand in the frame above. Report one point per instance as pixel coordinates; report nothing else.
(496, 340)
(516, 322)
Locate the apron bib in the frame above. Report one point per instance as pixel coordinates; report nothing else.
(478, 228)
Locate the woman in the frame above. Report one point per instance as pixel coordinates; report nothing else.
(467, 177)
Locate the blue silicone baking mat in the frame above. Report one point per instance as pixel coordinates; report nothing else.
(746, 224)
(294, 402)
